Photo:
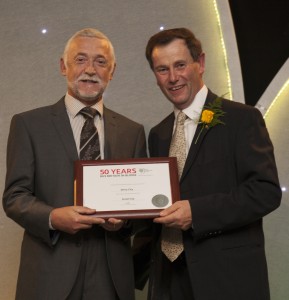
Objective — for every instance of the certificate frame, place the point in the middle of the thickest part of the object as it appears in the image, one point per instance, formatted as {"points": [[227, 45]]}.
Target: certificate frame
{"points": [[80, 185]]}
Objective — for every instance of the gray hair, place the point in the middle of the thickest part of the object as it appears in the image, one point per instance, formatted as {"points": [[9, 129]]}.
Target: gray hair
{"points": [[88, 32]]}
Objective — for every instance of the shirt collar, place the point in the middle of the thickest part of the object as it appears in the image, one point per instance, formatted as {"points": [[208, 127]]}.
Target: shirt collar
{"points": [[73, 105], [194, 110]]}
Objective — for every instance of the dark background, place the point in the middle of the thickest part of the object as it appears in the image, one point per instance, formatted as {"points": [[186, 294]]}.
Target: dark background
{"points": [[262, 32]]}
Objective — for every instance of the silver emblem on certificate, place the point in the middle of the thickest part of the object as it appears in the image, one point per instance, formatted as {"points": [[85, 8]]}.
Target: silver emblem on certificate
{"points": [[160, 200]]}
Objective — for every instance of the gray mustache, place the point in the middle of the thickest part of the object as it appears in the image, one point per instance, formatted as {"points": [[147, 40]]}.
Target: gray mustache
{"points": [[90, 78]]}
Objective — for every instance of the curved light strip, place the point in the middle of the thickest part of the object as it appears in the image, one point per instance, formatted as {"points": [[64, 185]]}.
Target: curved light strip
{"points": [[224, 50], [275, 89], [277, 97]]}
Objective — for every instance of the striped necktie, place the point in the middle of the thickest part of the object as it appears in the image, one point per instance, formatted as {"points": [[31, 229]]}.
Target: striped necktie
{"points": [[89, 139]]}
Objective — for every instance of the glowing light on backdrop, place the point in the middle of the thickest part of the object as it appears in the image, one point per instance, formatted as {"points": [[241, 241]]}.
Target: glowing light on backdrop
{"points": [[277, 97], [224, 51]]}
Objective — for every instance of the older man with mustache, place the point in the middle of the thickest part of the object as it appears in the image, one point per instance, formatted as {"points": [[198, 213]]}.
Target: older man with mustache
{"points": [[67, 253]]}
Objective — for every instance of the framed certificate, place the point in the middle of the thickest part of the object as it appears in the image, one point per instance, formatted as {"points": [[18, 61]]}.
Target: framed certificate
{"points": [[127, 189]]}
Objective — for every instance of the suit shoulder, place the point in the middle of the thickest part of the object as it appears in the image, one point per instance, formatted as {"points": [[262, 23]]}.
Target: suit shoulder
{"points": [[164, 123], [34, 112], [108, 113], [239, 115], [41, 111], [238, 106], [231, 105], [40, 115], [239, 110]]}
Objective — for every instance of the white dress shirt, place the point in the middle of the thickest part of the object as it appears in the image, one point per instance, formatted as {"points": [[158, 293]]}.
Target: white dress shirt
{"points": [[73, 107], [193, 113]]}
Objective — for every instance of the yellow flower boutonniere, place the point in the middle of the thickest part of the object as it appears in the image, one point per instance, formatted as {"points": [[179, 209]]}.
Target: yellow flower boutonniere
{"points": [[211, 115]]}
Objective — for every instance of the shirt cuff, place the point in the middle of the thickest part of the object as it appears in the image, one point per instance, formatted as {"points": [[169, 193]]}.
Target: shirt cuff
{"points": [[49, 223]]}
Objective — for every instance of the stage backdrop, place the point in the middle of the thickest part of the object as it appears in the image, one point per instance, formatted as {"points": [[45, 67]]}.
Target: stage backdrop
{"points": [[33, 34]]}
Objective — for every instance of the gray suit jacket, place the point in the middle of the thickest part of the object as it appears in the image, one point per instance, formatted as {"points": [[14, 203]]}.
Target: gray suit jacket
{"points": [[40, 160]]}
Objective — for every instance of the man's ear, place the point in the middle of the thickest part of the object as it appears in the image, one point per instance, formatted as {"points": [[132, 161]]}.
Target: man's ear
{"points": [[202, 62], [62, 67], [112, 72]]}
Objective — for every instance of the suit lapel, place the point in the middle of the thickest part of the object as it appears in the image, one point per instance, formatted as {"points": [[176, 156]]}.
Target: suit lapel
{"points": [[197, 140], [194, 149], [110, 129], [62, 125], [166, 136]]}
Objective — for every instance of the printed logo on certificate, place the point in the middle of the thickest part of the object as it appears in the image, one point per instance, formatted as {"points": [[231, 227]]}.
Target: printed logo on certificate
{"points": [[134, 188]]}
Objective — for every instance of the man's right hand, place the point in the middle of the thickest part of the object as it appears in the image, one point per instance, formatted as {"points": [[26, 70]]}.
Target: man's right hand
{"points": [[71, 219]]}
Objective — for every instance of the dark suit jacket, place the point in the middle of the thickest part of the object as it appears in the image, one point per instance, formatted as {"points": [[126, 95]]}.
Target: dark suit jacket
{"points": [[40, 159], [231, 182]]}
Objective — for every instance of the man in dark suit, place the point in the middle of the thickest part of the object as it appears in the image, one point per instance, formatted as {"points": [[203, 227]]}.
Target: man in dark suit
{"points": [[228, 184], [66, 252]]}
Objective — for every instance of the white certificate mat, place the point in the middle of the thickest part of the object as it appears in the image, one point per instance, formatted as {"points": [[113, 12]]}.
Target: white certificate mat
{"points": [[134, 188]]}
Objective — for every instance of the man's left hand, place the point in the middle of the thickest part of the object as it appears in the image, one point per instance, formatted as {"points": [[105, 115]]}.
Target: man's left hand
{"points": [[177, 215]]}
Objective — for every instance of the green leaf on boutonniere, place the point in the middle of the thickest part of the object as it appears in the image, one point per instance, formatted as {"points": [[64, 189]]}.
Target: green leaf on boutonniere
{"points": [[211, 115]]}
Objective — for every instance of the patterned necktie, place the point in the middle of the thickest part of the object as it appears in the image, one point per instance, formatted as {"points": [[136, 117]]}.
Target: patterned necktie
{"points": [[172, 242], [89, 140]]}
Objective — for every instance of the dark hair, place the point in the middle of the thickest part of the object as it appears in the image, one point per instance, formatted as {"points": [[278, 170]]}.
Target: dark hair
{"points": [[165, 37]]}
